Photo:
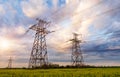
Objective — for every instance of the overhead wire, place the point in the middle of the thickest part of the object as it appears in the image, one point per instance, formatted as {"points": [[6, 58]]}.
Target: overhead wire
{"points": [[83, 11]]}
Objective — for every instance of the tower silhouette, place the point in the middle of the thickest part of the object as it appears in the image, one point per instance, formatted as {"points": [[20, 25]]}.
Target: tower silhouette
{"points": [[39, 55], [76, 56], [10, 63]]}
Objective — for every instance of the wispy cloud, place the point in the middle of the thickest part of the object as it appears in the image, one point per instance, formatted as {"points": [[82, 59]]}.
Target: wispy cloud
{"points": [[100, 29]]}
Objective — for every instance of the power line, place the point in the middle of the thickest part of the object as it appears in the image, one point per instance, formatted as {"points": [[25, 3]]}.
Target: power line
{"points": [[100, 2], [103, 13], [57, 11], [93, 6]]}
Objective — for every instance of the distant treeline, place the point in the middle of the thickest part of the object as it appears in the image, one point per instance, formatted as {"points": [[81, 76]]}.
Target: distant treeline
{"points": [[53, 66], [50, 66]]}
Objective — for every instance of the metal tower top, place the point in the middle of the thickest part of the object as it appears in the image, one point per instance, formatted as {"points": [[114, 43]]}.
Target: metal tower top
{"points": [[76, 56], [39, 57]]}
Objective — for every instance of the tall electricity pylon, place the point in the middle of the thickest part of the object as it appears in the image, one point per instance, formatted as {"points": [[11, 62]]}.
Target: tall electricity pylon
{"points": [[10, 63], [76, 56], [39, 55]]}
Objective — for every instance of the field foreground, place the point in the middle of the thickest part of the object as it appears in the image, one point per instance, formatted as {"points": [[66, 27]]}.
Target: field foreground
{"points": [[81, 72]]}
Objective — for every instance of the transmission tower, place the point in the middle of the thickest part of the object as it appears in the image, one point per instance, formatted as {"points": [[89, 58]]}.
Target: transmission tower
{"points": [[76, 57], [39, 55], [10, 63]]}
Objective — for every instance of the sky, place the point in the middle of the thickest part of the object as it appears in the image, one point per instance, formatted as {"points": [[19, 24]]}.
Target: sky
{"points": [[97, 20]]}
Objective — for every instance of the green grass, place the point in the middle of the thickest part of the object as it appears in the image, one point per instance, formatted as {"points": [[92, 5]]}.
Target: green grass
{"points": [[81, 72]]}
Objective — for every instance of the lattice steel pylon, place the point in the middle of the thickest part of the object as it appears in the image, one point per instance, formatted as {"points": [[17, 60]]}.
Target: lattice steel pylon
{"points": [[76, 56], [39, 55], [10, 63]]}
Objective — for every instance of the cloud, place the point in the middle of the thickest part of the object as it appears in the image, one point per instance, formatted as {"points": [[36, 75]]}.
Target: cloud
{"points": [[14, 36], [12, 14], [55, 4], [101, 32], [34, 8], [2, 11], [65, 12]]}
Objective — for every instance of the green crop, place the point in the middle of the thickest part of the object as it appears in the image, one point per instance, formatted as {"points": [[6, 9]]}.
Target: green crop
{"points": [[81, 72]]}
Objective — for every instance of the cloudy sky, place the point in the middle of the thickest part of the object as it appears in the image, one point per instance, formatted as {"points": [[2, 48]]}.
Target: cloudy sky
{"points": [[97, 20]]}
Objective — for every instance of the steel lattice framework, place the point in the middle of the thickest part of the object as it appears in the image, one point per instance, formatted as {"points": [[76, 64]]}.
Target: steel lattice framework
{"points": [[39, 55], [10, 63], [76, 57]]}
